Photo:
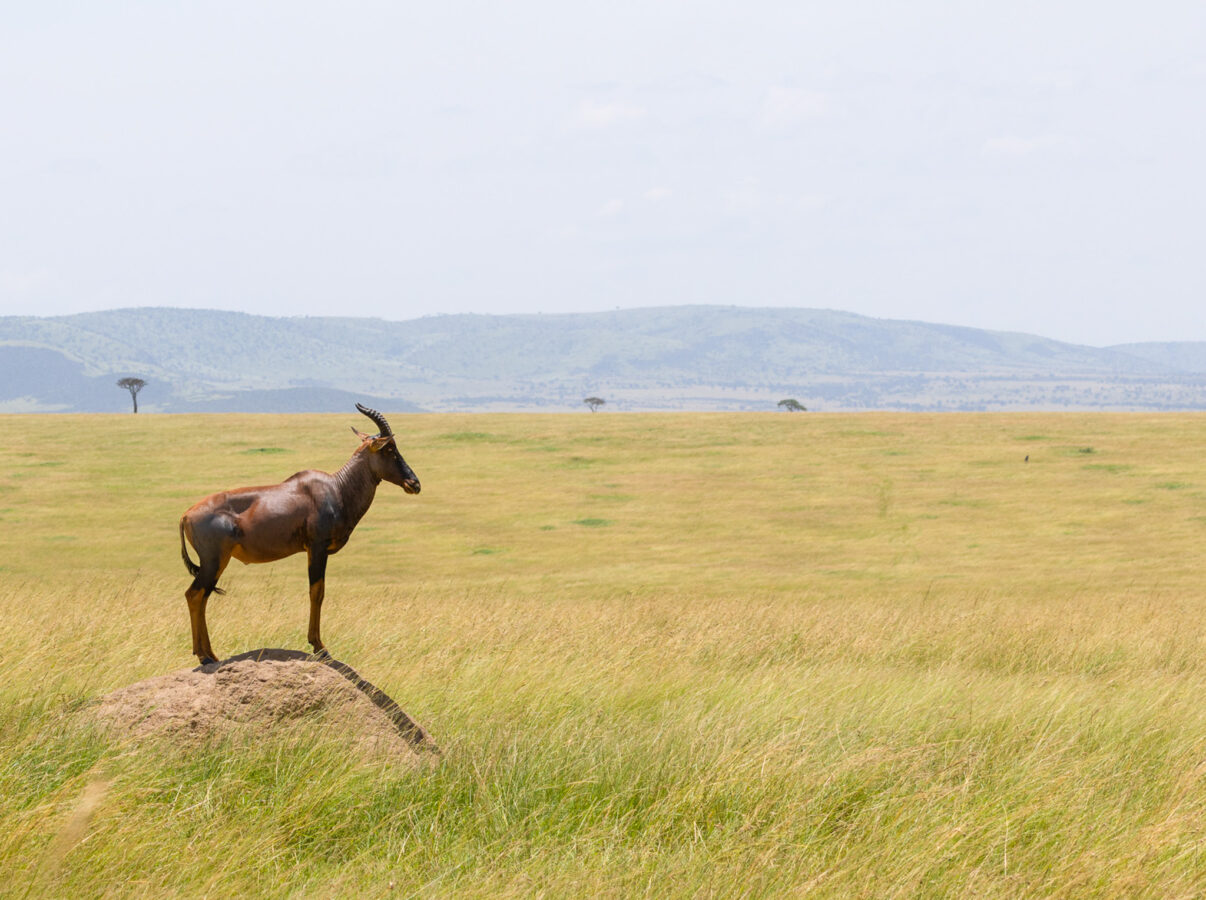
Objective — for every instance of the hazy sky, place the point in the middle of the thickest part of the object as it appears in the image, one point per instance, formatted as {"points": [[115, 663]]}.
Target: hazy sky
{"points": [[1032, 166]]}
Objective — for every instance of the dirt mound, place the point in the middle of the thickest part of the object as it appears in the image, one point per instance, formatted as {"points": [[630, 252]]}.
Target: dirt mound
{"points": [[263, 689]]}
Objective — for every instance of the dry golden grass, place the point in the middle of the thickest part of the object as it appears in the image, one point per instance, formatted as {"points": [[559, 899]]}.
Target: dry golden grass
{"points": [[855, 655]]}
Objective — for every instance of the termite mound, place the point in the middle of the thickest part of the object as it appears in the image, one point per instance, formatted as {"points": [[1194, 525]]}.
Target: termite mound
{"points": [[260, 691]]}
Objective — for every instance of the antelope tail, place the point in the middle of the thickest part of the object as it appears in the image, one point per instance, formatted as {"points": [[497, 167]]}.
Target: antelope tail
{"points": [[193, 568]]}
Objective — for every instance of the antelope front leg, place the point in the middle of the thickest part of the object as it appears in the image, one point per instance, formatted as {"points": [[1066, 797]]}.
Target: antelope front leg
{"points": [[318, 577]]}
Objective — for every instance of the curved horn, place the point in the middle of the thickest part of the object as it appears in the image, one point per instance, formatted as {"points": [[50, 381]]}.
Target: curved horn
{"points": [[378, 420]]}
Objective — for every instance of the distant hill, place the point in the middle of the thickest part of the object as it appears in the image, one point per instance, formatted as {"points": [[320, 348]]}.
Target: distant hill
{"points": [[1179, 356], [661, 358]]}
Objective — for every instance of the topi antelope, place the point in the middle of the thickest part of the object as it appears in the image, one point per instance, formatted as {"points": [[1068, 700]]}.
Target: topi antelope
{"points": [[311, 511]]}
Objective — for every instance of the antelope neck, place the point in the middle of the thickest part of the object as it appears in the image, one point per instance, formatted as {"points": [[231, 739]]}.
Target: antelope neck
{"points": [[356, 484]]}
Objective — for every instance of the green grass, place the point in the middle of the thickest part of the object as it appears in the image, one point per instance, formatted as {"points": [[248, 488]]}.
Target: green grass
{"points": [[795, 664]]}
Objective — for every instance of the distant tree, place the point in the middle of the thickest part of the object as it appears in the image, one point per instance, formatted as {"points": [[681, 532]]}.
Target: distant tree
{"points": [[793, 405], [133, 385], [594, 402]]}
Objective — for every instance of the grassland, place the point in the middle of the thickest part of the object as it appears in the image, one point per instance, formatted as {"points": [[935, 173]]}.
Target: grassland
{"points": [[671, 655]]}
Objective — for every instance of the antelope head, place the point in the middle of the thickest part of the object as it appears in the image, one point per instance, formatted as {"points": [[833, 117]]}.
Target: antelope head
{"points": [[383, 456]]}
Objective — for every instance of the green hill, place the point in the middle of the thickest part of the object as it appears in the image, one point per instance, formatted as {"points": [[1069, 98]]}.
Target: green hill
{"points": [[659, 358]]}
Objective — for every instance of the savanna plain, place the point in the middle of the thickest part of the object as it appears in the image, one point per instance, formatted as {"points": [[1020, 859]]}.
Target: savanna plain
{"points": [[867, 655]]}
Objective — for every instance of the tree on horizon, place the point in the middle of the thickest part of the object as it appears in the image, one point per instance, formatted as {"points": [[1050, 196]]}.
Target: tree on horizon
{"points": [[792, 405], [594, 402], [133, 385]]}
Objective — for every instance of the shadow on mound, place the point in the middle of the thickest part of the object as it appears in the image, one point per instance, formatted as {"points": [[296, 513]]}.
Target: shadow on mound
{"points": [[407, 727]]}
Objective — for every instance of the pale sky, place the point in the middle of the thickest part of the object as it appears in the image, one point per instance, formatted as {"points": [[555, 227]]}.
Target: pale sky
{"points": [[1028, 166]]}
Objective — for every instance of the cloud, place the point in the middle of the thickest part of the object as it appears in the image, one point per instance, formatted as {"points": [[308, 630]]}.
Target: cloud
{"points": [[612, 207], [783, 108], [1014, 146], [657, 194], [606, 115]]}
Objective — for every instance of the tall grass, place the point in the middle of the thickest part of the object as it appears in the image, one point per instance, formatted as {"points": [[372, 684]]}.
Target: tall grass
{"points": [[851, 655]]}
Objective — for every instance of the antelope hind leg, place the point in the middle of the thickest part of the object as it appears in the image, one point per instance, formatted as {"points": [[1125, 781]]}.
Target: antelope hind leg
{"points": [[196, 596]]}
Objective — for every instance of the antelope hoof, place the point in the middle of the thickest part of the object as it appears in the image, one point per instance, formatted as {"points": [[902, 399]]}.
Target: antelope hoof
{"points": [[322, 653], [206, 660]]}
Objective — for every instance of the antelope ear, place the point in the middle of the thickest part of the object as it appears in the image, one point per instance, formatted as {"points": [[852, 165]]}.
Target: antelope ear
{"points": [[360, 434], [380, 443]]}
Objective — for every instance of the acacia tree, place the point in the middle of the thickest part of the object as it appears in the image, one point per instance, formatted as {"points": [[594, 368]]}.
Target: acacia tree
{"points": [[594, 402], [133, 385], [793, 405]]}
